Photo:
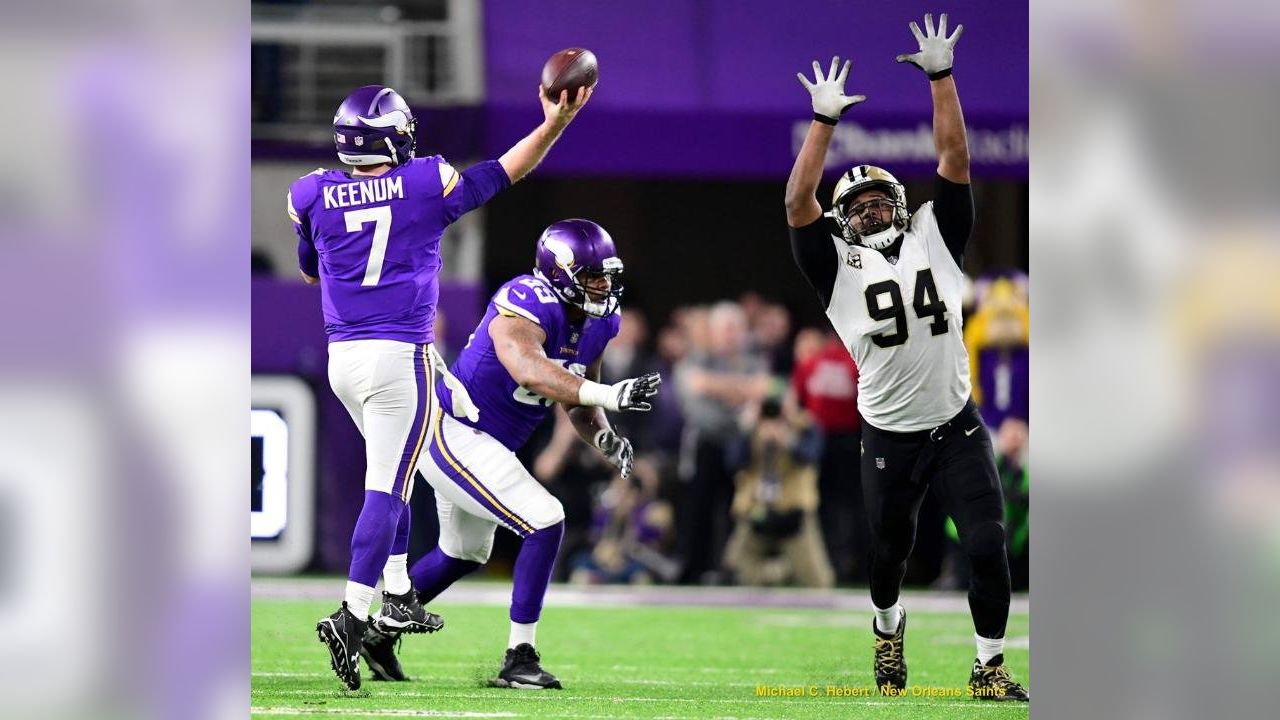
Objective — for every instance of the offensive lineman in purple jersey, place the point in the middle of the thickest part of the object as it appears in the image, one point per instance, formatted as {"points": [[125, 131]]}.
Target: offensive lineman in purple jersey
{"points": [[371, 238], [540, 336]]}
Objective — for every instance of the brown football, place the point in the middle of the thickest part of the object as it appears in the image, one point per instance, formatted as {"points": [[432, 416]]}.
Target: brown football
{"points": [[569, 70]]}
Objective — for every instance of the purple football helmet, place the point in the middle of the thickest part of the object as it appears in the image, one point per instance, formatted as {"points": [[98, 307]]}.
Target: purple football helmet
{"points": [[571, 252], [374, 125]]}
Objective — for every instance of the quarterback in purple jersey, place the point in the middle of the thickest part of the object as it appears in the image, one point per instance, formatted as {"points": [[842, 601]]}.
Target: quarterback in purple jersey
{"points": [[539, 343], [370, 236]]}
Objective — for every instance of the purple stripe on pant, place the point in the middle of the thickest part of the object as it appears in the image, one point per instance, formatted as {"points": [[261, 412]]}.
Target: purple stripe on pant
{"points": [[467, 480], [417, 430]]}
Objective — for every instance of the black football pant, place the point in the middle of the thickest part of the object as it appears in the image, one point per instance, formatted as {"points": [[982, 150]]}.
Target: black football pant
{"points": [[897, 469]]}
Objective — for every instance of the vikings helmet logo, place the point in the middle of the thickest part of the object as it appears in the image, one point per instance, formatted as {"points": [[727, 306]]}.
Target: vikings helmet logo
{"points": [[563, 253]]}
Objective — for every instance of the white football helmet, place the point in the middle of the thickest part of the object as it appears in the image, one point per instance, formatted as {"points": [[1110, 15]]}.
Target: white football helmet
{"points": [[859, 179]]}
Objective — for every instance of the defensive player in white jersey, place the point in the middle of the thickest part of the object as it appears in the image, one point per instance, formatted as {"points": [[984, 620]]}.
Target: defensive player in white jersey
{"points": [[891, 284]]}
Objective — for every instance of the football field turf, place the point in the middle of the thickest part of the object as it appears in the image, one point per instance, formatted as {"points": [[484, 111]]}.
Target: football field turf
{"points": [[626, 660]]}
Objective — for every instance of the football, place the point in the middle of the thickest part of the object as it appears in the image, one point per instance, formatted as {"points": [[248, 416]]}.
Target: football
{"points": [[569, 70]]}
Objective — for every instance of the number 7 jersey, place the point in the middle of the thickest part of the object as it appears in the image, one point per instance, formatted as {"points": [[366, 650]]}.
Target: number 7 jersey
{"points": [[902, 323], [378, 245]]}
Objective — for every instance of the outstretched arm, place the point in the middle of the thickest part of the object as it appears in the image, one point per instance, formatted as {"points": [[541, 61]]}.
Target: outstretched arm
{"points": [[948, 131], [525, 155], [518, 343], [802, 187], [829, 103], [953, 198], [810, 242], [935, 58]]}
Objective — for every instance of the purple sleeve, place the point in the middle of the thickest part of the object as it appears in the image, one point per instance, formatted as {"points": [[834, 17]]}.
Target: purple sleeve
{"points": [[308, 259], [478, 184], [530, 299]]}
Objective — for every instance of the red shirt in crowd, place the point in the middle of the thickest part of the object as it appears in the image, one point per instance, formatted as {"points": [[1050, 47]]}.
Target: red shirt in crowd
{"points": [[826, 384]]}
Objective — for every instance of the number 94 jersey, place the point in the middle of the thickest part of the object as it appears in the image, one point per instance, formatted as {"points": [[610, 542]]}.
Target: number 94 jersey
{"points": [[902, 323], [508, 412]]}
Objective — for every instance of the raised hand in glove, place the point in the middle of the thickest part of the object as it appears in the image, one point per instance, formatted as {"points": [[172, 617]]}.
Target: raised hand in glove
{"points": [[617, 450], [827, 93], [935, 55]]}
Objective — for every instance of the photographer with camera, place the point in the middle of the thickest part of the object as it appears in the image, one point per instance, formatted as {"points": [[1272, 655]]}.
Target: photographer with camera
{"points": [[777, 537]]}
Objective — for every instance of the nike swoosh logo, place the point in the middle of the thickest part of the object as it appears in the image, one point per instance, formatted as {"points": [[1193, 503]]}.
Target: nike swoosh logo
{"points": [[970, 432], [519, 294]]}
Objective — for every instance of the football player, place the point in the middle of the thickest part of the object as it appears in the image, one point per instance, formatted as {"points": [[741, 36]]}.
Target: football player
{"points": [[891, 281], [370, 236], [539, 343]]}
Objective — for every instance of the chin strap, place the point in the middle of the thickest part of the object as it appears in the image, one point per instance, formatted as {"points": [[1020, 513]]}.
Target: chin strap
{"points": [[882, 239]]}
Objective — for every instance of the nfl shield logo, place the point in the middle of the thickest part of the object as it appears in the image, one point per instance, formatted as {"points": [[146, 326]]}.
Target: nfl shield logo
{"points": [[879, 463]]}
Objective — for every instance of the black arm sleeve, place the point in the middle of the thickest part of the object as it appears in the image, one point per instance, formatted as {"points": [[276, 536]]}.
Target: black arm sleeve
{"points": [[953, 208], [816, 255]]}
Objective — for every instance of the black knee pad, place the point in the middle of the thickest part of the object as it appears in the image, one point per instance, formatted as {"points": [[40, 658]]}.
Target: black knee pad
{"points": [[986, 538]]}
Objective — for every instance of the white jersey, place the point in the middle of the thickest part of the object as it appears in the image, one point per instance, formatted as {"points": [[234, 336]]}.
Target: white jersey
{"points": [[902, 323]]}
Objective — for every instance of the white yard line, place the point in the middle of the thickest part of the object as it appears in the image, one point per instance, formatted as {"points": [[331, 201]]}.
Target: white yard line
{"points": [[379, 713], [499, 594], [287, 711], [560, 697]]}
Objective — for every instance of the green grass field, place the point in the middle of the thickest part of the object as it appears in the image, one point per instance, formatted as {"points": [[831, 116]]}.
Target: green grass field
{"points": [[630, 662]]}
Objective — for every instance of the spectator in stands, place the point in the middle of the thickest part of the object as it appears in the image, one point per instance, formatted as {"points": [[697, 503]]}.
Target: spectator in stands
{"points": [[631, 530], [777, 539], [771, 333], [716, 382], [825, 385], [996, 338]]}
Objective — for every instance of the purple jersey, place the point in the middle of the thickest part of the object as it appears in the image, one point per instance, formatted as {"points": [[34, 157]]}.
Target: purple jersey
{"points": [[375, 242], [509, 412]]}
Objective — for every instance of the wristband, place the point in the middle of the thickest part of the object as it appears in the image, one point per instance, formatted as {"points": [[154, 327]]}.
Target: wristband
{"points": [[596, 394], [940, 74], [819, 117]]}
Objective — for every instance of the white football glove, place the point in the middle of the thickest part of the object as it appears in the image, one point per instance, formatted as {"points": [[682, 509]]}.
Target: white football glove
{"points": [[617, 450], [827, 93], [936, 48]]}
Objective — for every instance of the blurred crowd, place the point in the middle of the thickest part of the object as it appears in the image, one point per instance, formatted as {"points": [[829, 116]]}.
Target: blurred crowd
{"points": [[747, 468]]}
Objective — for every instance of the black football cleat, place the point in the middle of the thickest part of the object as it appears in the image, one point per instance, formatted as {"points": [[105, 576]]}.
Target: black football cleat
{"points": [[343, 632], [520, 669], [993, 682], [379, 653], [404, 614], [891, 664]]}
